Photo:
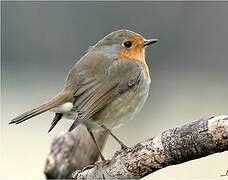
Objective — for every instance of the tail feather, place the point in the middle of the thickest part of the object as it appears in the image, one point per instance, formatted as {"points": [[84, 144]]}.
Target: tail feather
{"points": [[57, 100], [56, 119]]}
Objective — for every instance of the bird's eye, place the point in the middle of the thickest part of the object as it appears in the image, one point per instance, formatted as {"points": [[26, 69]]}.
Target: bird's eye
{"points": [[127, 44]]}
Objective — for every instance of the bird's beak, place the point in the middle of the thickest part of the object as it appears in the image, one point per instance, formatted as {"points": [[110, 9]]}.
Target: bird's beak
{"points": [[149, 41]]}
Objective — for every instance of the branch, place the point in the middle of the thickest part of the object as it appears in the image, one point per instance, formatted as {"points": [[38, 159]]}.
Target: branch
{"points": [[71, 151], [174, 146]]}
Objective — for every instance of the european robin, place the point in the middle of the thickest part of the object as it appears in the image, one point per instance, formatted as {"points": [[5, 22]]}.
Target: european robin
{"points": [[107, 86]]}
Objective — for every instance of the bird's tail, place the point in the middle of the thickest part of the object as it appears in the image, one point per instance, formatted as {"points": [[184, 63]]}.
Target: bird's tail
{"points": [[59, 99]]}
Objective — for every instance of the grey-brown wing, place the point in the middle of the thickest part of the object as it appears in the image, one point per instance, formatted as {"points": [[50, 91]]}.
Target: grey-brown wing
{"points": [[95, 95]]}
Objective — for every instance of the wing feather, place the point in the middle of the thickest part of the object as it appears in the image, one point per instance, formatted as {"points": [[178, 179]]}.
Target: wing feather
{"points": [[119, 77]]}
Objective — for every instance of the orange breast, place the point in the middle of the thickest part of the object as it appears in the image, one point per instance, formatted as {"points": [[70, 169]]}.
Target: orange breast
{"points": [[135, 54]]}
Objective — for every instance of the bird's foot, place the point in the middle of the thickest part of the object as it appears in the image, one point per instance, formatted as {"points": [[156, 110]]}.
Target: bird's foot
{"points": [[88, 167], [105, 162], [101, 156], [123, 147]]}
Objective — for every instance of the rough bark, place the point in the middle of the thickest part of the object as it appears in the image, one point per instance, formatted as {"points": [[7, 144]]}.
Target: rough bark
{"points": [[174, 146], [71, 151]]}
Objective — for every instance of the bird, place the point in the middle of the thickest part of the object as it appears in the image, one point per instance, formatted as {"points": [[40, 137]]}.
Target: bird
{"points": [[106, 87]]}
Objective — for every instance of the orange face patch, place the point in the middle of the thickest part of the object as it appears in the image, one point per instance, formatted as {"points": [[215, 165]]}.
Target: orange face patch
{"points": [[136, 52]]}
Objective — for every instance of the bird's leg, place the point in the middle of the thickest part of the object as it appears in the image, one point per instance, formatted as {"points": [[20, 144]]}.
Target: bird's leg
{"points": [[98, 148], [123, 146]]}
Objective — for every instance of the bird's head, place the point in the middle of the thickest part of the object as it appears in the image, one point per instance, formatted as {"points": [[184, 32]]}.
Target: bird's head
{"points": [[125, 44]]}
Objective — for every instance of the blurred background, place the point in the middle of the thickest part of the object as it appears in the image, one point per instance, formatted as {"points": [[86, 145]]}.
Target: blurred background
{"points": [[42, 40]]}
